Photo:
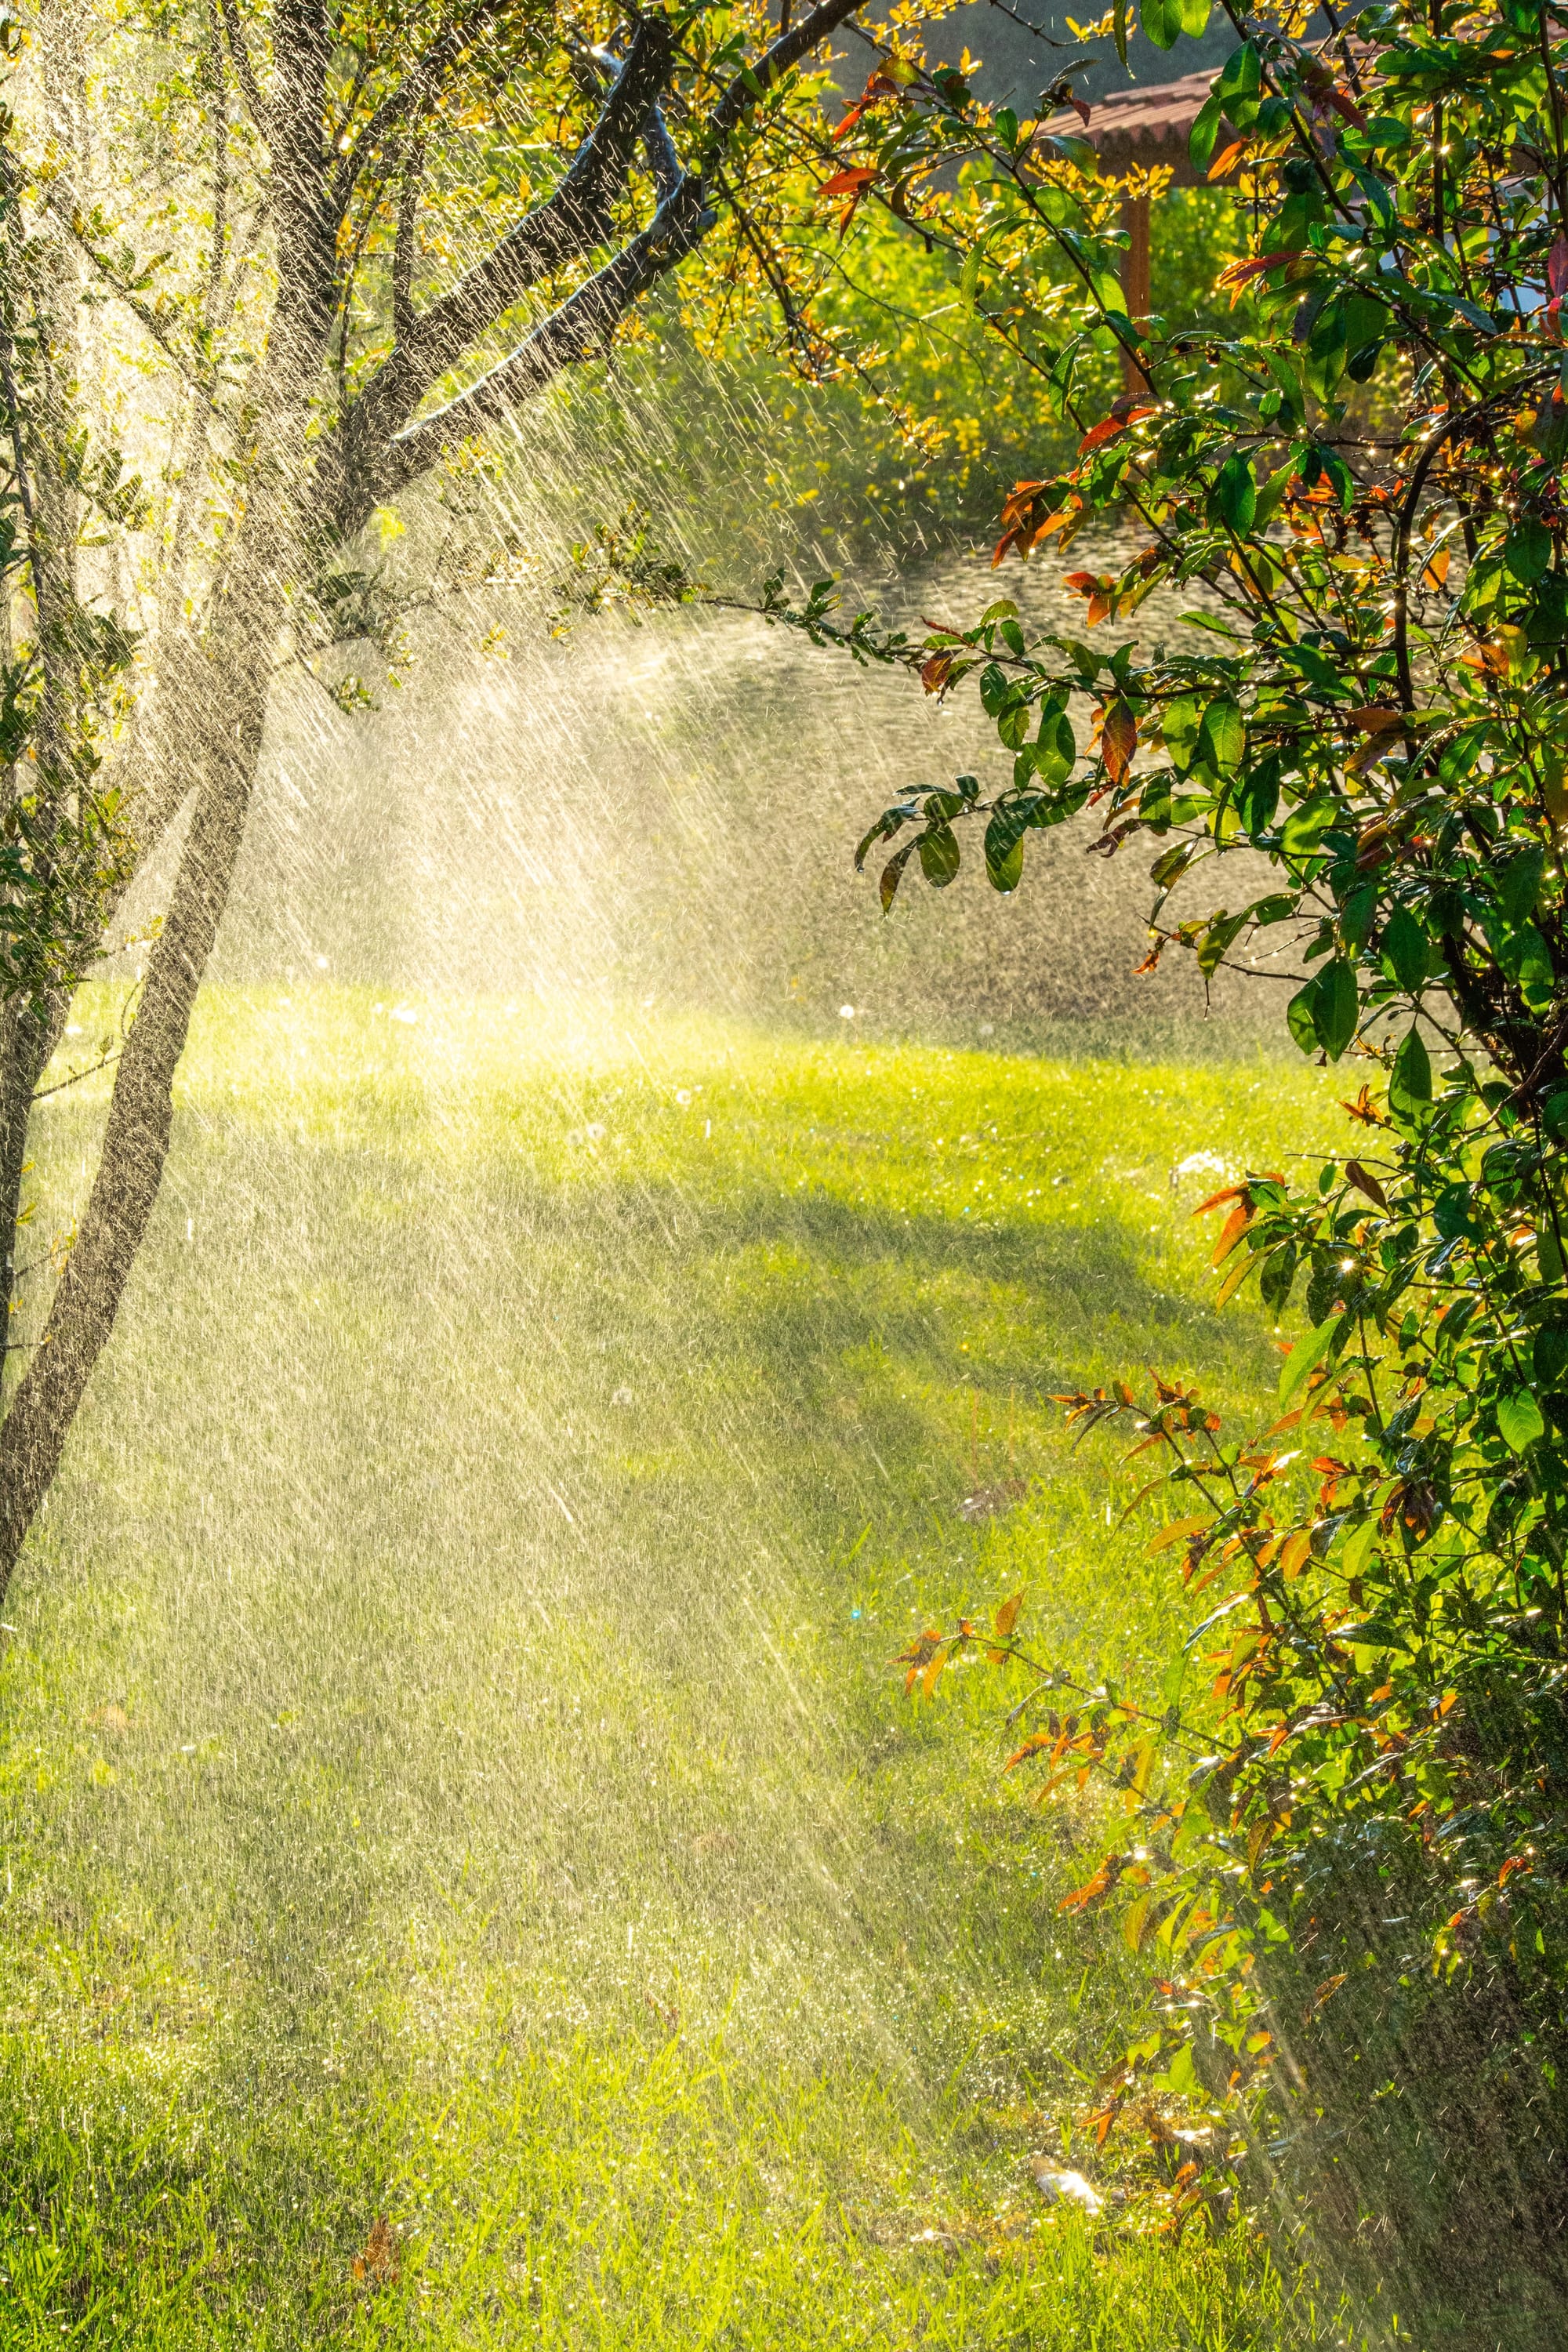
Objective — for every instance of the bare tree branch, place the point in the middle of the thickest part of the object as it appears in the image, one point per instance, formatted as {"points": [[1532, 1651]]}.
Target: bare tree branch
{"points": [[244, 71], [380, 451], [406, 103]]}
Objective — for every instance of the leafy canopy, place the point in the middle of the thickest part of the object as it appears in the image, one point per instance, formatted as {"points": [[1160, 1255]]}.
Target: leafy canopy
{"points": [[1361, 487]]}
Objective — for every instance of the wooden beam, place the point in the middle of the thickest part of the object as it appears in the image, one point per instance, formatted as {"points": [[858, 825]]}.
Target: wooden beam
{"points": [[1135, 280]]}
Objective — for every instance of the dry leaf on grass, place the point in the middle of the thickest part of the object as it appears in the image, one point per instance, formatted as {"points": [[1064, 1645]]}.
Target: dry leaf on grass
{"points": [[375, 2264]]}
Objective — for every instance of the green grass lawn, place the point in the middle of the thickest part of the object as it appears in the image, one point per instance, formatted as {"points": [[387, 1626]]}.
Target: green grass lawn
{"points": [[452, 1767]]}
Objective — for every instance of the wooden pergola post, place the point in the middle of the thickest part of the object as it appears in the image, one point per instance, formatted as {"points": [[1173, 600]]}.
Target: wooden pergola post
{"points": [[1143, 128], [1135, 281]]}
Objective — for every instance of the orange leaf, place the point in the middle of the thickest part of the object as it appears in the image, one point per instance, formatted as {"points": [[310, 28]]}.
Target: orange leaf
{"points": [[1217, 1200], [1082, 1896], [1231, 1231], [375, 2264], [1436, 571], [935, 673], [1175, 1532], [1293, 1554], [1007, 1617], [852, 182], [1119, 740], [1107, 431], [1365, 1109], [1237, 273], [1227, 157], [1365, 1182]]}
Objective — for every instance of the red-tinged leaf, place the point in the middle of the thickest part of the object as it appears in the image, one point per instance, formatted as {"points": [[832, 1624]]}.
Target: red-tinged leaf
{"points": [[1100, 606], [1020, 499], [1239, 274], [375, 2264], [851, 182], [1151, 961], [893, 873], [1557, 267], [1098, 435], [1090, 1892], [1217, 1200], [1364, 1181], [1031, 1747], [1515, 1862], [1080, 106], [1345, 104], [1231, 1231], [1235, 1278], [1082, 584], [1293, 1554], [1118, 742], [935, 673]]}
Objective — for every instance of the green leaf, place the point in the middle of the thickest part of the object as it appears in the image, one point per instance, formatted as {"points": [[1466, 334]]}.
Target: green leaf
{"points": [[1527, 551], [1181, 2075], [894, 874], [1217, 940], [1356, 915], [1233, 499], [1161, 20], [1195, 14], [1403, 952], [1336, 1006], [1004, 852], [1302, 1018], [1410, 1085], [1238, 83], [939, 856], [1358, 1547], [1204, 132], [1550, 1355], [1119, 29], [1307, 824], [1056, 748], [1519, 1418], [1222, 738], [1306, 1356], [1519, 882]]}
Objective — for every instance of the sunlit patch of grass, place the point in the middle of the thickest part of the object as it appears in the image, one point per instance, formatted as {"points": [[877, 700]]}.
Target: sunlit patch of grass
{"points": [[452, 1765]]}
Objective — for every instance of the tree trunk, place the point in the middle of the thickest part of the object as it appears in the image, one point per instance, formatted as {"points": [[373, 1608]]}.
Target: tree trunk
{"points": [[28, 1035], [136, 1139]]}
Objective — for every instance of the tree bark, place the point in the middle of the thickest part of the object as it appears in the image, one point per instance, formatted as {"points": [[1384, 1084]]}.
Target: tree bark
{"points": [[136, 1139], [29, 1032]]}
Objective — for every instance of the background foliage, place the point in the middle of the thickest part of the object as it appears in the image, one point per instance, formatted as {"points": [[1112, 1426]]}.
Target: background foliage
{"points": [[1340, 1830]]}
